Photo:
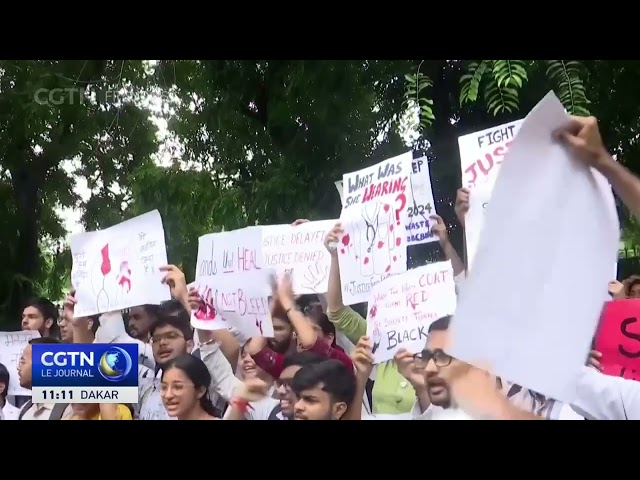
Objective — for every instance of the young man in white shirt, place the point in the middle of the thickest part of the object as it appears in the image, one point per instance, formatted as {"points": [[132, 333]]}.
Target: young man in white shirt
{"points": [[38, 411], [8, 411], [172, 336]]}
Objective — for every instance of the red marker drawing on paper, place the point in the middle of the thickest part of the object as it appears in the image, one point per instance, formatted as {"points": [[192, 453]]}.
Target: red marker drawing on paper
{"points": [[125, 277], [105, 267]]}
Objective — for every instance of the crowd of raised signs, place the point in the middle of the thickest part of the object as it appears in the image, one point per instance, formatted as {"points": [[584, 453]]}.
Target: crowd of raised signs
{"points": [[324, 320]]}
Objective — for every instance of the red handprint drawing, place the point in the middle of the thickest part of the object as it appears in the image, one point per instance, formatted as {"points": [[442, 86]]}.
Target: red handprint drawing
{"points": [[207, 310], [125, 276]]}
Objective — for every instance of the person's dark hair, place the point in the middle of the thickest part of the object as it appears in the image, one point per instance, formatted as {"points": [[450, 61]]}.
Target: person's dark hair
{"points": [[4, 378], [333, 377], [181, 322], [630, 285], [301, 359], [95, 323], [198, 373], [303, 301], [171, 307], [44, 340], [440, 325], [45, 307], [314, 312]]}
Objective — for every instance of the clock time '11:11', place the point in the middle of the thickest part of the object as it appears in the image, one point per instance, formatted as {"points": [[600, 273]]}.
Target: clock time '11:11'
{"points": [[61, 395]]}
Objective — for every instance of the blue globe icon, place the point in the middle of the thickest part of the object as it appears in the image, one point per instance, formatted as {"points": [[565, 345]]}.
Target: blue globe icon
{"points": [[115, 364]]}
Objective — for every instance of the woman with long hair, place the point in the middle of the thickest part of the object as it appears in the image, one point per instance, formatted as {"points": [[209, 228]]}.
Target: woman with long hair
{"points": [[185, 389]]}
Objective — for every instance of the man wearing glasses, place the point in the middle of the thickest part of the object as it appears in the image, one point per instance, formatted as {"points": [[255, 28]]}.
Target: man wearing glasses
{"points": [[431, 371]]}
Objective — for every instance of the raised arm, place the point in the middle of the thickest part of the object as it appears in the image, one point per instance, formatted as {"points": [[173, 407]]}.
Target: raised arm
{"points": [[582, 138], [349, 322], [440, 230]]}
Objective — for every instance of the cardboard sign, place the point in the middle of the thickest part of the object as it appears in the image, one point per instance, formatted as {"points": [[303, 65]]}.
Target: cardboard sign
{"points": [[619, 339]]}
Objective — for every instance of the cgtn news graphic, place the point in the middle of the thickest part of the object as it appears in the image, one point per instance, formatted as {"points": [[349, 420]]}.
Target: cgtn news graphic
{"points": [[85, 373]]}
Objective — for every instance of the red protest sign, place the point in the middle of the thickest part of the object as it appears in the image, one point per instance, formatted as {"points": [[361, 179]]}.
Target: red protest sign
{"points": [[619, 339]]}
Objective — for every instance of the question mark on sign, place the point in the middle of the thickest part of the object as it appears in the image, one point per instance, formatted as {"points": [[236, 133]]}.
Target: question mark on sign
{"points": [[403, 203]]}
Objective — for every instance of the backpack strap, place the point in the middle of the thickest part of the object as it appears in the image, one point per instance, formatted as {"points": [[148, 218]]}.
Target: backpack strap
{"points": [[24, 409], [58, 411]]}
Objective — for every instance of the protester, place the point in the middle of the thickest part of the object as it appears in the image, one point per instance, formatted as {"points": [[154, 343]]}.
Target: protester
{"points": [[254, 401], [41, 315], [300, 373], [185, 389], [9, 412], [324, 390], [38, 411]]}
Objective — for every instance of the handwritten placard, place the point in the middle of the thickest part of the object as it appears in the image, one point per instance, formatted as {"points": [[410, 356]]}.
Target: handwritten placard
{"points": [[481, 153], [374, 244], [619, 338], [402, 308], [300, 251], [11, 346], [118, 267], [421, 205], [233, 283]]}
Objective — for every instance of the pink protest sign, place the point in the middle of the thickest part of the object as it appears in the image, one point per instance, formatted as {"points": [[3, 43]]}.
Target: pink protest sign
{"points": [[619, 339]]}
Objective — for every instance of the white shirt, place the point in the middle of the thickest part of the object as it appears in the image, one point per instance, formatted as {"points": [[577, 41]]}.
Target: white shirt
{"points": [[438, 413], [604, 397], [42, 411], [223, 384], [9, 412]]}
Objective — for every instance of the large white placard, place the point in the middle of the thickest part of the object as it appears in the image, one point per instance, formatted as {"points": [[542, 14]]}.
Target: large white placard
{"points": [[299, 251], [514, 312], [233, 283], [118, 267]]}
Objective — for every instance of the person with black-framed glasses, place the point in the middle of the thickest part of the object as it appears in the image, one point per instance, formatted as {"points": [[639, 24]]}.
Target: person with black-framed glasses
{"points": [[449, 389]]}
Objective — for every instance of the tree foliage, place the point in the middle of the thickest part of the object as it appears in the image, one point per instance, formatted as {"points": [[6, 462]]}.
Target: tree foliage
{"points": [[250, 141]]}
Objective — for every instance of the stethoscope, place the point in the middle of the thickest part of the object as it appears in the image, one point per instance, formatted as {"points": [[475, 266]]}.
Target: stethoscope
{"points": [[371, 229]]}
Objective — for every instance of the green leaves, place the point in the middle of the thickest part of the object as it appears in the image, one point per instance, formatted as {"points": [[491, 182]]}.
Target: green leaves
{"points": [[502, 80], [416, 84], [566, 76]]}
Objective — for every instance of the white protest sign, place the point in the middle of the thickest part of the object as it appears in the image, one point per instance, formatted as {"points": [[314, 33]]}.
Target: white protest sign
{"points": [[231, 281], [481, 153], [374, 244], [11, 346], [402, 307], [513, 311], [421, 206], [299, 251], [118, 267]]}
